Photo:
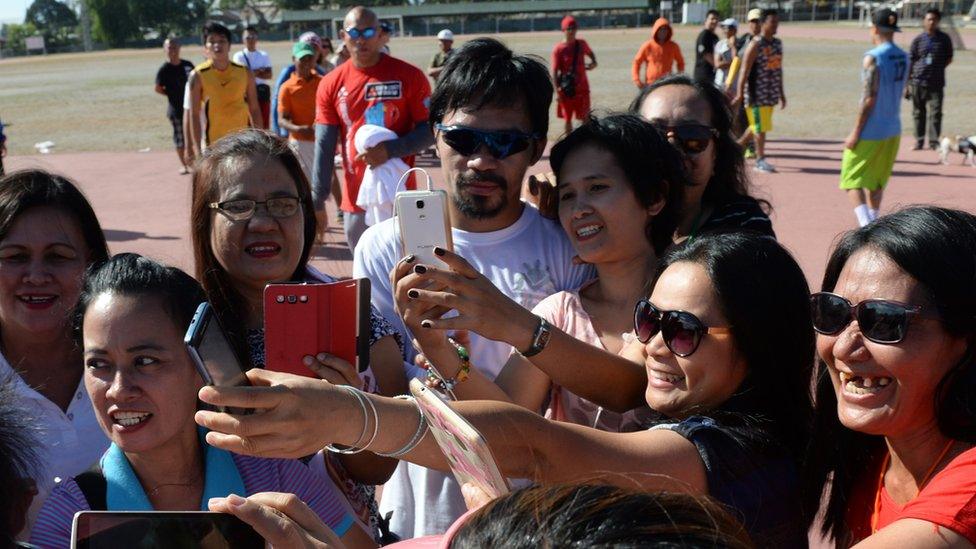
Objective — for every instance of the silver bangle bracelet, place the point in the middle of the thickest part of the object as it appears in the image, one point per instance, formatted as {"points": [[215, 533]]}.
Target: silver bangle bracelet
{"points": [[355, 449], [422, 429]]}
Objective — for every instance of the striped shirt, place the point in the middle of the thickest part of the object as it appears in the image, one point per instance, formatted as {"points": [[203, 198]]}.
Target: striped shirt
{"points": [[740, 214], [929, 56], [53, 527]]}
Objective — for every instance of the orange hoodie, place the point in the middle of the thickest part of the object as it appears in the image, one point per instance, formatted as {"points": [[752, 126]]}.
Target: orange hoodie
{"points": [[658, 56]]}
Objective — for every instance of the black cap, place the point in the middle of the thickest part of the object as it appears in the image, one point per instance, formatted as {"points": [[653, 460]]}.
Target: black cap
{"points": [[886, 19]]}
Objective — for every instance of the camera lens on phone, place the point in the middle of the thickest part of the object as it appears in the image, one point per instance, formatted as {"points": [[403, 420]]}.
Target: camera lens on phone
{"points": [[420, 204]]}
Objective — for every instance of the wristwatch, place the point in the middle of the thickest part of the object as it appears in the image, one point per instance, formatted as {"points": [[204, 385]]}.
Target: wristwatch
{"points": [[539, 339]]}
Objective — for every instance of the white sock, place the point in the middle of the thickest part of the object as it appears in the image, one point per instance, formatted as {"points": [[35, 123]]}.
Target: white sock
{"points": [[872, 213], [863, 215]]}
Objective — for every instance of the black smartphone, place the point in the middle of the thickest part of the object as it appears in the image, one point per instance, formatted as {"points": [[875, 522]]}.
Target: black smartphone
{"points": [[162, 529], [212, 353]]}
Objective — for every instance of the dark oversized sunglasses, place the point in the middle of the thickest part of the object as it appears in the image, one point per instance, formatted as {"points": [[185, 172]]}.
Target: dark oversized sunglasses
{"points": [[681, 330], [501, 144], [880, 320], [692, 139], [366, 33]]}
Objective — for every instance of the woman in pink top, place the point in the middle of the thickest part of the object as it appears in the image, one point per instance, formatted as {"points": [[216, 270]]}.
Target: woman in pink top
{"points": [[617, 177]]}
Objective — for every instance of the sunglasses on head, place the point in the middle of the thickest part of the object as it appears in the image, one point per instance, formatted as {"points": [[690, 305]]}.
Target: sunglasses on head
{"points": [[500, 143], [681, 330], [879, 320], [692, 139], [366, 33]]}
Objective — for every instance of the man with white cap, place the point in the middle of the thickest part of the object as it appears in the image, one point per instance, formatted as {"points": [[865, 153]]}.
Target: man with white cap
{"points": [[446, 40], [725, 52]]}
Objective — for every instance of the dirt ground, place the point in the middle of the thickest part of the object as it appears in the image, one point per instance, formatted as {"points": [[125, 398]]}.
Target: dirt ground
{"points": [[100, 110]]}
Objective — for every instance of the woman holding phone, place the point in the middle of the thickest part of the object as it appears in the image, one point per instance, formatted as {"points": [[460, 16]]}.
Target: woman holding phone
{"points": [[896, 427], [131, 318], [49, 235], [728, 344], [618, 186], [696, 119], [253, 223]]}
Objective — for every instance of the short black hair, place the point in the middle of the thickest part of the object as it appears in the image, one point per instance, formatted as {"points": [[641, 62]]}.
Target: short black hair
{"points": [[130, 274], [213, 27], [712, 12], [26, 189], [654, 168], [935, 12], [766, 14], [485, 72], [20, 459], [250, 28]]}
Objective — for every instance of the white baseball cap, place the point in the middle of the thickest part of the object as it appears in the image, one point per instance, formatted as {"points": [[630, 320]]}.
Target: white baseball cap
{"points": [[730, 22], [446, 34]]}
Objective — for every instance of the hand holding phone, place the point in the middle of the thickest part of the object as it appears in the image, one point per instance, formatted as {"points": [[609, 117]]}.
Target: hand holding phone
{"points": [[424, 223]]}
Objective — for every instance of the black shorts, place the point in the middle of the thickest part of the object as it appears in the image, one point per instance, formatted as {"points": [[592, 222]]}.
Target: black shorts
{"points": [[177, 122]]}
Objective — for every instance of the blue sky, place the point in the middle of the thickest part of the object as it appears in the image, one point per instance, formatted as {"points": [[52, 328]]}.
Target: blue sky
{"points": [[12, 11]]}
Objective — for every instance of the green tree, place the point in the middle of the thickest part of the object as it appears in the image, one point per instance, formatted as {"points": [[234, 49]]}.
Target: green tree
{"points": [[55, 20]]}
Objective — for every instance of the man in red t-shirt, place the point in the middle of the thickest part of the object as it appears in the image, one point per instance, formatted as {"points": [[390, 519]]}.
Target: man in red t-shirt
{"points": [[572, 87], [372, 88]]}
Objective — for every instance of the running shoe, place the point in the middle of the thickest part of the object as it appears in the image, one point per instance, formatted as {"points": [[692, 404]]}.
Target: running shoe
{"points": [[764, 167]]}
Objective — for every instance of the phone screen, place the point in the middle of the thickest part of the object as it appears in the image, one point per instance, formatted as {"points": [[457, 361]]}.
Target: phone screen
{"points": [[189, 530], [218, 358]]}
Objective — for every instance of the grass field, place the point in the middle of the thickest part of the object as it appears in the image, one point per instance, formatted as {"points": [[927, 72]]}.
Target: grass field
{"points": [[105, 101]]}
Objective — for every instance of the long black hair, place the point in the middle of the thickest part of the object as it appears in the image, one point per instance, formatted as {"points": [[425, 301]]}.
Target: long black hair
{"points": [[729, 180], [937, 247], [764, 296], [653, 167]]}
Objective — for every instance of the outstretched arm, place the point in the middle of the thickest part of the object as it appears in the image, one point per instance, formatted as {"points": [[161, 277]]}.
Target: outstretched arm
{"points": [[291, 408]]}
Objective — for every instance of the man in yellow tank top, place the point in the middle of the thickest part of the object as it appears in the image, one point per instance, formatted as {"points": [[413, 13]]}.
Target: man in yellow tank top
{"points": [[224, 89]]}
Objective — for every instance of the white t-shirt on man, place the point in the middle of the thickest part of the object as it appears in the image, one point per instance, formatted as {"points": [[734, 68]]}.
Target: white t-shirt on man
{"points": [[254, 60], [528, 261]]}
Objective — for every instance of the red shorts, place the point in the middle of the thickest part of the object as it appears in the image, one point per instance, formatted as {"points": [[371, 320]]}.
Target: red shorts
{"points": [[577, 107]]}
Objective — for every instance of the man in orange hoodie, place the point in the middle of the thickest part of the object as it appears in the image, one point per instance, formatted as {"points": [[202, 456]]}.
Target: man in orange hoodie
{"points": [[660, 53]]}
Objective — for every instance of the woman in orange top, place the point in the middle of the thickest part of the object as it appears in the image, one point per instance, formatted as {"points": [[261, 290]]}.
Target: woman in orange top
{"points": [[660, 53]]}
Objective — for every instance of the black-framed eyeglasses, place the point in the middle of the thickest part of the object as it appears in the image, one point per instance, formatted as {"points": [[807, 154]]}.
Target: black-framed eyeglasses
{"points": [[880, 320], [692, 139], [682, 331], [243, 209], [366, 33], [500, 143]]}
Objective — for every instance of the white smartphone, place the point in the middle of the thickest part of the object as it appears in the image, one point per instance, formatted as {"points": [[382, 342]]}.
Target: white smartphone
{"points": [[465, 448], [424, 224]]}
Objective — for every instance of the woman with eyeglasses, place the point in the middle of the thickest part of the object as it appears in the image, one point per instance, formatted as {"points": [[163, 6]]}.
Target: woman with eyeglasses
{"points": [[253, 223], [896, 384], [696, 119], [728, 347], [619, 182]]}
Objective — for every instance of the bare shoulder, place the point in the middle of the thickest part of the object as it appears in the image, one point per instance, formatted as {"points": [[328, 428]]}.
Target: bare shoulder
{"points": [[915, 533], [869, 61]]}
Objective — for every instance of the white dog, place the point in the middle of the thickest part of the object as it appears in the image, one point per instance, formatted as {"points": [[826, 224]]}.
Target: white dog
{"points": [[959, 144]]}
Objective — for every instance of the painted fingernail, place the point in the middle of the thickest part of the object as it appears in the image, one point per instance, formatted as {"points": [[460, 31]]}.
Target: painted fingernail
{"points": [[420, 269], [322, 356], [439, 251], [410, 258], [425, 323], [308, 361], [413, 294]]}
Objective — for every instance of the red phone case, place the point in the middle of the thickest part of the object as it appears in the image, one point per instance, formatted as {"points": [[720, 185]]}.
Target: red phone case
{"points": [[307, 319]]}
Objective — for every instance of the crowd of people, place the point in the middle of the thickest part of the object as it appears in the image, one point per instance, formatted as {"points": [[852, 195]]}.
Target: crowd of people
{"points": [[639, 352]]}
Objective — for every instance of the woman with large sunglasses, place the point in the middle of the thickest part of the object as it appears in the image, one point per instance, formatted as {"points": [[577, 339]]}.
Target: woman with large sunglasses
{"points": [[696, 119], [728, 347], [896, 391], [253, 223]]}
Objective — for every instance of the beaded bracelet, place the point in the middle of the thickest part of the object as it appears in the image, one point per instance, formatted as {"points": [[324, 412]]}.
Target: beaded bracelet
{"points": [[464, 372], [355, 448], [422, 429]]}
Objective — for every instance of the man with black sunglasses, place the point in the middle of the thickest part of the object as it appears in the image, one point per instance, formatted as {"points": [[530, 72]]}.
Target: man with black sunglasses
{"points": [[490, 114], [372, 88]]}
